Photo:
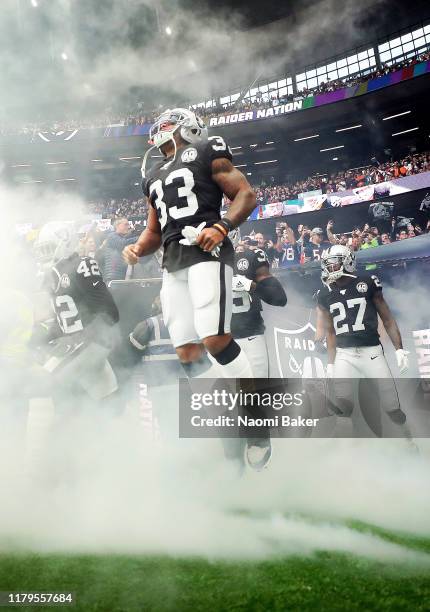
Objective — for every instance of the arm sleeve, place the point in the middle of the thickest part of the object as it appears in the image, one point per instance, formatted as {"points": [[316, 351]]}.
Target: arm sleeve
{"points": [[270, 290]]}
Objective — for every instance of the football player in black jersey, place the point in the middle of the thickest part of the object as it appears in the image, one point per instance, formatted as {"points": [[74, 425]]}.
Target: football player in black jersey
{"points": [[252, 284], [84, 311], [350, 305], [184, 192]]}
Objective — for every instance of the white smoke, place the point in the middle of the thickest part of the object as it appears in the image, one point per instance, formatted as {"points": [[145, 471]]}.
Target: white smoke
{"points": [[208, 51], [92, 484]]}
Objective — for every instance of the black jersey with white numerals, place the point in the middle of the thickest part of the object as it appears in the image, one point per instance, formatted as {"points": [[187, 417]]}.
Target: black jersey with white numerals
{"points": [[246, 319], [79, 294], [354, 314], [183, 192]]}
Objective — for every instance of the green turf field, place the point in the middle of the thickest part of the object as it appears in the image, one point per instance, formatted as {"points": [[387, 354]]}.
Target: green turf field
{"points": [[323, 582]]}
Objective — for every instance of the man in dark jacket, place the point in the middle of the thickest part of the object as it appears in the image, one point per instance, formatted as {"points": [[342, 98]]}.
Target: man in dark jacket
{"points": [[114, 267]]}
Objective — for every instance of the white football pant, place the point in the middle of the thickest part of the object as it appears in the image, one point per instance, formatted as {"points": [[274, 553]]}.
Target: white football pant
{"points": [[255, 348], [197, 302]]}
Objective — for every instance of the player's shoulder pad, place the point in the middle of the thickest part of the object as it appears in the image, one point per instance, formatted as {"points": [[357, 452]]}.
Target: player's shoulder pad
{"points": [[371, 280], [259, 257], [216, 147]]}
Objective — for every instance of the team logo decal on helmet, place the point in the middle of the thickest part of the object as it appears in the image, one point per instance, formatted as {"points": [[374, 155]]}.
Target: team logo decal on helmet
{"points": [[362, 287], [337, 261]]}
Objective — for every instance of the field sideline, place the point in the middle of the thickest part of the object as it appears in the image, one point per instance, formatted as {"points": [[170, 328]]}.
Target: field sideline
{"points": [[323, 582]]}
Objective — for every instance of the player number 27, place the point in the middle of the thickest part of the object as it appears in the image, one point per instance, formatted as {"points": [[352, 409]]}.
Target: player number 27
{"points": [[339, 307], [184, 191]]}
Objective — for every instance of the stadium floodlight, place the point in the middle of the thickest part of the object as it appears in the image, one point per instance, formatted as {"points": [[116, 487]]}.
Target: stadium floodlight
{"points": [[32, 181], [405, 131], [351, 127], [253, 145], [269, 161], [64, 56], [55, 163], [168, 30], [270, 142], [335, 158], [96, 160], [21, 166], [34, 3], [398, 115], [306, 137], [241, 166], [128, 158], [249, 173], [65, 179], [333, 148], [233, 148]]}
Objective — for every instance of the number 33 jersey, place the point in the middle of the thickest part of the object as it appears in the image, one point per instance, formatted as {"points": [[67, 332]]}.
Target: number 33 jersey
{"points": [[183, 192], [354, 314], [79, 294]]}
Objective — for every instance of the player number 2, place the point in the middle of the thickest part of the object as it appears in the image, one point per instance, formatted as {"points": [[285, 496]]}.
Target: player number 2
{"points": [[184, 191], [358, 325], [68, 312]]}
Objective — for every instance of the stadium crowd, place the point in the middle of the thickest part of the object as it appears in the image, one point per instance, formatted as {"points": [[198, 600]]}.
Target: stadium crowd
{"points": [[301, 244], [270, 193], [137, 115], [347, 179]]}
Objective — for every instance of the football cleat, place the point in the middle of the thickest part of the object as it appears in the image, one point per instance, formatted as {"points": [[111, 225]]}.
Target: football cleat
{"points": [[258, 453]]}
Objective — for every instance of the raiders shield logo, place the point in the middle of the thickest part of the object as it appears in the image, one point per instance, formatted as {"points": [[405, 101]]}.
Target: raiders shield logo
{"points": [[362, 287], [295, 353]]}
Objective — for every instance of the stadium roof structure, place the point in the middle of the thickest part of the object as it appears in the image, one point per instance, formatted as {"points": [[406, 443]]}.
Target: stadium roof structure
{"points": [[391, 121]]}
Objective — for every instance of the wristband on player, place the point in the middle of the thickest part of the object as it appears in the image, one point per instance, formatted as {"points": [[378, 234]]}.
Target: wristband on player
{"points": [[226, 224], [220, 228]]}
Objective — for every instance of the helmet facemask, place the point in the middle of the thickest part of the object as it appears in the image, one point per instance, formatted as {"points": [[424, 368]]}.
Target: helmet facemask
{"points": [[338, 261], [192, 129]]}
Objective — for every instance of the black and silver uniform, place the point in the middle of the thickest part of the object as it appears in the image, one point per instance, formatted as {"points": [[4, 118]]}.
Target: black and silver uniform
{"points": [[183, 193], [246, 319], [354, 314], [79, 294]]}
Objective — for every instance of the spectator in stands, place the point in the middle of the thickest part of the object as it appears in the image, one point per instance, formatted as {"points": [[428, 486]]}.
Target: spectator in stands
{"points": [[114, 267], [385, 238]]}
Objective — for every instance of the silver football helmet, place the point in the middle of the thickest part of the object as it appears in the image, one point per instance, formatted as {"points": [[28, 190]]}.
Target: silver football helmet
{"points": [[191, 128], [57, 240], [337, 261]]}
